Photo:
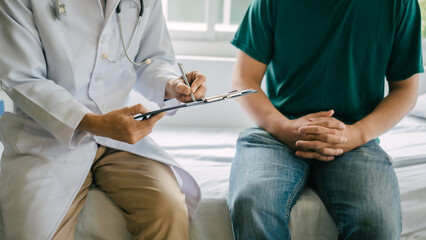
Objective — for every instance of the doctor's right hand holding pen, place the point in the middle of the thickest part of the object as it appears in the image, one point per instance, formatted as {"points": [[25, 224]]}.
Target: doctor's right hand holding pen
{"points": [[189, 87], [120, 124]]}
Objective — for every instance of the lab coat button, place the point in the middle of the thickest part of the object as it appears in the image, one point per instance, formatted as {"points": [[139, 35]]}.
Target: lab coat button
{"points": [[105, 108], [98, 78]]}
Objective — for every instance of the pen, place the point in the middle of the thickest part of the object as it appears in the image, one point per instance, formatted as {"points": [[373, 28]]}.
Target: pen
{"points": [[182, 70]]}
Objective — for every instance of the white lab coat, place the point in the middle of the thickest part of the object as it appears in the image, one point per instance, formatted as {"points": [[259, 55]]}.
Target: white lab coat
{"points": [[54, 72]]}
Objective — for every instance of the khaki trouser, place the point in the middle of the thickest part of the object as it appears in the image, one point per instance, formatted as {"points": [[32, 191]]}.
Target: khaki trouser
{"points": [[146, 191]]}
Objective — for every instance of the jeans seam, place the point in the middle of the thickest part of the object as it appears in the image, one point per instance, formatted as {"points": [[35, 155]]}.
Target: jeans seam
{"points": [[328, 205], [292, 196]]}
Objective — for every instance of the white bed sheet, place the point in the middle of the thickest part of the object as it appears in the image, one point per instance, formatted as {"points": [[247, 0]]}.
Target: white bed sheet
{"points": [[406, 142], [412, 184]]}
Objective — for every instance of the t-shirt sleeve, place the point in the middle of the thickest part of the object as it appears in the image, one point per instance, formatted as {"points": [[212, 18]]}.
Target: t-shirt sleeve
{"points": [[406, 57], [256, 33]]}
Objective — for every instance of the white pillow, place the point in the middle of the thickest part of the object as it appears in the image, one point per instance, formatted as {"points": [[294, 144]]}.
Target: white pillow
{"points": [[420, 108]]}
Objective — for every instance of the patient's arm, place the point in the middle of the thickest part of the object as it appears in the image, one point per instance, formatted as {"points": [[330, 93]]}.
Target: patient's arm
{"points": [[249, 74], [400, 100]]}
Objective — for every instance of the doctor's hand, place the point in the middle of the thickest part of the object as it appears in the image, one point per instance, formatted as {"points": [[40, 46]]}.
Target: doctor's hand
{"points": [[327, 136], [176, 88], [120, 125]]}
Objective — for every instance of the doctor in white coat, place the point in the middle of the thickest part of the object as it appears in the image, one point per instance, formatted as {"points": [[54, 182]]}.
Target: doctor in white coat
{"points": [[70, 80]]}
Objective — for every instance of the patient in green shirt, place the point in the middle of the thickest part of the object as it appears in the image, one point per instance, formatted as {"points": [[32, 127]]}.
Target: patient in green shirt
{"points": [[325, 64]]}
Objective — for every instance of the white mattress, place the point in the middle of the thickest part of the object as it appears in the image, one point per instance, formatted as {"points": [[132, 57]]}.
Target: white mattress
{"points": [[406, 142], [207, 154], [412, 184]]}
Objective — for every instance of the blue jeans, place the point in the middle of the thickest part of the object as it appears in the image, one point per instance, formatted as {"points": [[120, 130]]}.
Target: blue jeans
{"points": [[359, 189]]}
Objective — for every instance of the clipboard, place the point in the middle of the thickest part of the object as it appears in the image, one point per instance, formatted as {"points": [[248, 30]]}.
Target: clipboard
{"points": [[203, 101]]}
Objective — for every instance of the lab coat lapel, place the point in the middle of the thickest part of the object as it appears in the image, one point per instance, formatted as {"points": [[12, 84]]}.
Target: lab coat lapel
{"points": [[111, 5]]}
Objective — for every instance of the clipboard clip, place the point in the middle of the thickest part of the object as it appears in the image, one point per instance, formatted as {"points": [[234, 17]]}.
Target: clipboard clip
{"points": [[229, 95]]}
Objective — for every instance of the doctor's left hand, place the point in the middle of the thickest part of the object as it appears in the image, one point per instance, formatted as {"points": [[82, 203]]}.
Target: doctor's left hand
{"points": [[176, 88], [120, 124]]}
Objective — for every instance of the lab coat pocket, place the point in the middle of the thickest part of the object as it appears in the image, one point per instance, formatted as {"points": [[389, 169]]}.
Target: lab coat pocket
{"points": [[36, 141]]}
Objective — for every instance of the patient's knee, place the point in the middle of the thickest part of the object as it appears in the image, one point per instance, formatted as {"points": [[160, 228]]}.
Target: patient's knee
{"points": [[250, 198], [384, 223]]}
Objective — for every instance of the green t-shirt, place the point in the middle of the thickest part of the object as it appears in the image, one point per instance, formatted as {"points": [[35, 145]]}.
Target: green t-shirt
{"points": [[332, 54]]}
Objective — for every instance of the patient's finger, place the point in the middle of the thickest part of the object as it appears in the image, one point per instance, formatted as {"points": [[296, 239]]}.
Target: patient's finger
{"points": [[328, 138], [314, 155], [306, 129], [326, 122], [319, 147], [330, 151]]}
